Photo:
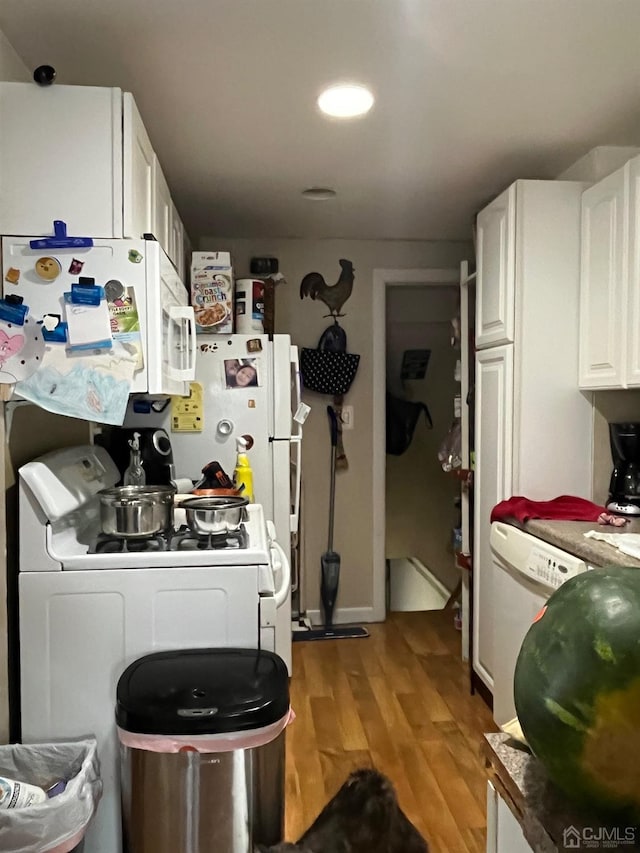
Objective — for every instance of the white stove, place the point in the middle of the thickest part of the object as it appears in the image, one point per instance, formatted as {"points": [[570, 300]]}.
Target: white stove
{"points": [[89, 606]]}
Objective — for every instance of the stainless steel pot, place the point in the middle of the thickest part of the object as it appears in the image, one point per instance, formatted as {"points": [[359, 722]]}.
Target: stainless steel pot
{"points": [[134, 512], [211, 516]]}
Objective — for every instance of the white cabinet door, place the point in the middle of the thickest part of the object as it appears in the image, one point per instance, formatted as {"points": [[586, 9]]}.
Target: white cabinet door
{"points": [[496, 235], [163, 205], [177, 242], [60, 158], [504, 833], [138, 173], [603, 292], [492, 483]]}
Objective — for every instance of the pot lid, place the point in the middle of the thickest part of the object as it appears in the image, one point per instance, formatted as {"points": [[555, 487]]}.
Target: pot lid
{"points": [[202, 691]]}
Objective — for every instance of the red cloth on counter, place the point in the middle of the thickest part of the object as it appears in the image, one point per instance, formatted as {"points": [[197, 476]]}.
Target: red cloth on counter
{"points": [[564, 508]]}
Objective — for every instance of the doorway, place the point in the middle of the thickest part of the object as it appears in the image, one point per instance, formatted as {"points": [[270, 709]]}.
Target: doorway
{"points": [[414, 510]]}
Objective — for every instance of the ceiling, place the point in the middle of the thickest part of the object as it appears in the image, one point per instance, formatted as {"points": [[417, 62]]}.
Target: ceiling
{"points": [[471, 94]]}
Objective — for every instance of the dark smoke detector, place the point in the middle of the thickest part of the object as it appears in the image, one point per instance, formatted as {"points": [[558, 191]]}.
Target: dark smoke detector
{"points": [[44, 75]]}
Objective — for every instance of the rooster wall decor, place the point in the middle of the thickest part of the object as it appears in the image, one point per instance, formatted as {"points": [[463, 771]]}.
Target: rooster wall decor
{"points": [[333, 295]]}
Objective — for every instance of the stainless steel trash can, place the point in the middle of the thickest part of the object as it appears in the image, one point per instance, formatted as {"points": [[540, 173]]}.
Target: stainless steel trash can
{"points": [[202, 750]]}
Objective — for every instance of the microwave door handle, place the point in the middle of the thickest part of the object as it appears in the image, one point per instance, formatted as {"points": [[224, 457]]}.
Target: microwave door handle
{"points": [[182, 312]]}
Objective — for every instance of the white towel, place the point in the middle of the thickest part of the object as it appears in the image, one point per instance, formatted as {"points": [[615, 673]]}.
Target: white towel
{"points": [[627, 543]]}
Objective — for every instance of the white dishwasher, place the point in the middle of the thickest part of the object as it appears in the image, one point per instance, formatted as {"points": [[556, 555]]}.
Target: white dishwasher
{"points": [[526, 571]]}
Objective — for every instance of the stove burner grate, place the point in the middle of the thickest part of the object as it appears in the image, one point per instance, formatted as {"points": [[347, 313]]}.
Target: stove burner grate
{"points": [[106, 544], [186, 539]]}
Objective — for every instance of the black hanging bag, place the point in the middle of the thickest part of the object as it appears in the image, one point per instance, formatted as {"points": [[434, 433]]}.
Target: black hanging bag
{"points": [[402, 418], [329, 369]]}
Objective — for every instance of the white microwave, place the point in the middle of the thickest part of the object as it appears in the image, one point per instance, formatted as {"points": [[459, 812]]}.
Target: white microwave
{"points": [[138, 271]]}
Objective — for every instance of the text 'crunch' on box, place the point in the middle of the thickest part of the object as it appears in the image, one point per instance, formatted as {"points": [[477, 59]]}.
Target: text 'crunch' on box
{"points": [[212, 292]]}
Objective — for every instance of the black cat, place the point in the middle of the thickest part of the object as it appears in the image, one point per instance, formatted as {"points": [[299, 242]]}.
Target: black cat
{"points": [[363, 817]]}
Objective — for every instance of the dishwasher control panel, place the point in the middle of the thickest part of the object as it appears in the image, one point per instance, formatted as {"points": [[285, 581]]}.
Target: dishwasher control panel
{"points": [[551, 568]]}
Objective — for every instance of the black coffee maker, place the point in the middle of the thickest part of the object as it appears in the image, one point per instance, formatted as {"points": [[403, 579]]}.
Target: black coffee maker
{"points": [[624, 488], [155, 452]]}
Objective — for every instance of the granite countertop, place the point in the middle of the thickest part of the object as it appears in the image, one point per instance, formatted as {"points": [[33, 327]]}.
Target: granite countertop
{"points": [[569, 535], [544, 812]]}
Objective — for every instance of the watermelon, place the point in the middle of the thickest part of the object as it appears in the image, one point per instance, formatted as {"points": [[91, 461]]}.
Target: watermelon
{"points": [[577, 690]]}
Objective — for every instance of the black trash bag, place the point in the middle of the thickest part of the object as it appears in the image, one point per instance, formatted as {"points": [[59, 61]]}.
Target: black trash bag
{"points": [[402, 419], [329, 369]]}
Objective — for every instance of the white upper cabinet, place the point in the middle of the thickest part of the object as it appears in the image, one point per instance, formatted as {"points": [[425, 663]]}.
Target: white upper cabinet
{"points": [[495, 240], [81, 154], [60, 158], [609, 282], [162, 220], [177, 242], [138, 168]]}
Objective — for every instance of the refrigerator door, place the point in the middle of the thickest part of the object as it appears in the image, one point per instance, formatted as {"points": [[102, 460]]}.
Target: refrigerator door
{"points": [[42, 276], [230, 411]]}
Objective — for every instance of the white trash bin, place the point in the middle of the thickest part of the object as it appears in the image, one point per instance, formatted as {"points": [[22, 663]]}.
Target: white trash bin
{"points": [[59, 824]]}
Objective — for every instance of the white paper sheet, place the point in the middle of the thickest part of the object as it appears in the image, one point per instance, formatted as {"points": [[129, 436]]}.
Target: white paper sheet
{"points": [[87, 385]]}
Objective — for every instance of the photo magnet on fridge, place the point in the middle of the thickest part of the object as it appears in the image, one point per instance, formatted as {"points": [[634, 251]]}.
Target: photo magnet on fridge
{"points": [[241, 372]]}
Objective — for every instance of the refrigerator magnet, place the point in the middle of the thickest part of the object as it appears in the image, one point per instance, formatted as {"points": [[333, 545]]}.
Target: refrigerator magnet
{"points": [[53, 329], [12, 275], [241, 372], [20, 354], [48, 269], [134, 256], [75, 267], [114, 290]]}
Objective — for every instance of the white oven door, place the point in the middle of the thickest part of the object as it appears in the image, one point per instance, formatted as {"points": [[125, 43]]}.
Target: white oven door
{"points": [[171, 339], [79, 630]]}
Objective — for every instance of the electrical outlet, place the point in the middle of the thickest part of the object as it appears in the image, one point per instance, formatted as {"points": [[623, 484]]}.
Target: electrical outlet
{"points": [[347, 417]]}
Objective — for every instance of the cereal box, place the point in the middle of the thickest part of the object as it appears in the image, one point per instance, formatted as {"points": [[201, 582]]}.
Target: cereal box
{"points": [[212, 292]]}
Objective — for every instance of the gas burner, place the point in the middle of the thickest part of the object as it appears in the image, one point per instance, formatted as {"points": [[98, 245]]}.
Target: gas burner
{"points": [[186, 540], [106, 544]]}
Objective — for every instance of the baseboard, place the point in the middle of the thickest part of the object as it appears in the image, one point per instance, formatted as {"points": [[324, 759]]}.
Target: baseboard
{"points": [[343, 616], [434, 580]]}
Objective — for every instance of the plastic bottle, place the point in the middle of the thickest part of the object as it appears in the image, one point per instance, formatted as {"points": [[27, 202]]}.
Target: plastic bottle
{"points": [[243, 475], [134, 475], [19, 795]]}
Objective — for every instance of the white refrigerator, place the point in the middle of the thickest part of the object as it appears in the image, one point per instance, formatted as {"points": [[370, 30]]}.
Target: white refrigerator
{"points": [[266, 412]]}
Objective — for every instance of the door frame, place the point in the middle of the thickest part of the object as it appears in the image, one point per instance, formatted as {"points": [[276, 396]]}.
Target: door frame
{"points": [[382, 279]]}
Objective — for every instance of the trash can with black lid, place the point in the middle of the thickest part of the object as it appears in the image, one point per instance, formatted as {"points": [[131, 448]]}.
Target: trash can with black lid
{"points": [[202, 750]]}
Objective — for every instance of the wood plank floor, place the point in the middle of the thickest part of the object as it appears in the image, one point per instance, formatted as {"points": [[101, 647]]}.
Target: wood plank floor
{"points": [[399, 701]]}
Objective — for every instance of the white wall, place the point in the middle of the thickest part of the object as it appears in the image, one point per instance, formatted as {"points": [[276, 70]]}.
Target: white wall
{"points": [[303, 319], [11, 68]]}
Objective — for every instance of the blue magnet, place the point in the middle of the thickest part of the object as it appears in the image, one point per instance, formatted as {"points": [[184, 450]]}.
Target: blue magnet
{"points": [[12, 309], [54, 330], [60, 239], [85, 292]]}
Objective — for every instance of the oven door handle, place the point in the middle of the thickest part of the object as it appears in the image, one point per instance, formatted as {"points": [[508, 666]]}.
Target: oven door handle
{"points": [[279, 560]]}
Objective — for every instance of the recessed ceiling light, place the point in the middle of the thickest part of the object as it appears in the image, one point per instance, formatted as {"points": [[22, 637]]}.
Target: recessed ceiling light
{"points": [[319, 193], [346, 101]]}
